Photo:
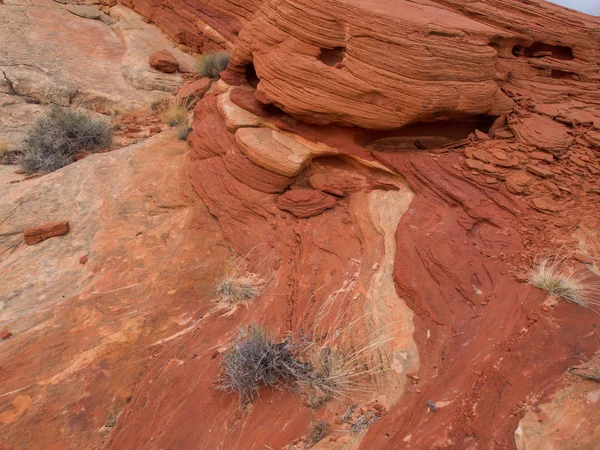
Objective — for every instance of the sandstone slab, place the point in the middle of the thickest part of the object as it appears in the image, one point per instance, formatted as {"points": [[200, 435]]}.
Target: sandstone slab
{"points": [[45, 231], [195, 90], [141, 41], [50, 55], [92, 327]]}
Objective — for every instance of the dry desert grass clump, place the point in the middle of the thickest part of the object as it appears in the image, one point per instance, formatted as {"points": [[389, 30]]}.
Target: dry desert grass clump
{"points": [[175, 111], [559, 277], [57, 136], [323, 365], [589, 370], [255, 360]]}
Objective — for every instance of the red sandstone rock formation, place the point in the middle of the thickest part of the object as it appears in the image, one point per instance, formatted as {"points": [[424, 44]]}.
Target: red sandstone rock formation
{"points": [[200, 25], [489, 347], [42, 232], [164, 61], [439, 213], [304, 203], [380, 65]]}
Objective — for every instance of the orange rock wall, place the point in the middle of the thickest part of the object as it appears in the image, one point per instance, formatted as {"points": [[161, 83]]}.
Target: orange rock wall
{"points": [[198, 24]]}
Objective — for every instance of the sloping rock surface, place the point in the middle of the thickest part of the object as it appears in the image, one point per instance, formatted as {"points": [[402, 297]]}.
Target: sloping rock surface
{"points": [[84, 334], [202, 26]]}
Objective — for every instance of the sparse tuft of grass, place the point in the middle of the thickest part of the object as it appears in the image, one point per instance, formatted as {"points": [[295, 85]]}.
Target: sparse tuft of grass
{"points": [[175, 111], [183, 131], [212, 64], [318, 430], [559, 278], [238, 284], [341, 366], [55, 138], [6, 155], [156, 105]]}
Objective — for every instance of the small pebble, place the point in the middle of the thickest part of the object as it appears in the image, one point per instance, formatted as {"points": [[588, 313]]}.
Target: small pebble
{"points": [[5, 334], [431, 405]]}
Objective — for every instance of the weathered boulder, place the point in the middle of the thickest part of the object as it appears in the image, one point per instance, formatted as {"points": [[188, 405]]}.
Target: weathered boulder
{"points": [[163, 61], [195, 90]]}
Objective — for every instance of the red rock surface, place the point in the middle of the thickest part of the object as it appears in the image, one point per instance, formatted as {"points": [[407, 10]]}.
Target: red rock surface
{"points": [[163, 61], [304, 203], [195, 90], [381, 66], [481, 334], [84, 335], [45, 231], [202, 26], [439, 214]]}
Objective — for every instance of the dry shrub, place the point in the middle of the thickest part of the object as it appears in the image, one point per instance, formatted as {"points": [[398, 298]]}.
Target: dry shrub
{"points": [[589, 370], [238, 284], [323, 365], [175, 111], [55, 138], [255, 360], [212, 64], [359, 420], [557, 276], [318, 430]]}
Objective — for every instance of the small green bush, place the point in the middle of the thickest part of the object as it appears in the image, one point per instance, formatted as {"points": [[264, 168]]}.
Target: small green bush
{"points": [[55, 138], [212, 64]]}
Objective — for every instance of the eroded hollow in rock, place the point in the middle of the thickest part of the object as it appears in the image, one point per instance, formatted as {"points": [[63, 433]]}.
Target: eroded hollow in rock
{"points": [[426, 135], [563, 75], [332, 56], [251, 76], [539, 49]]}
